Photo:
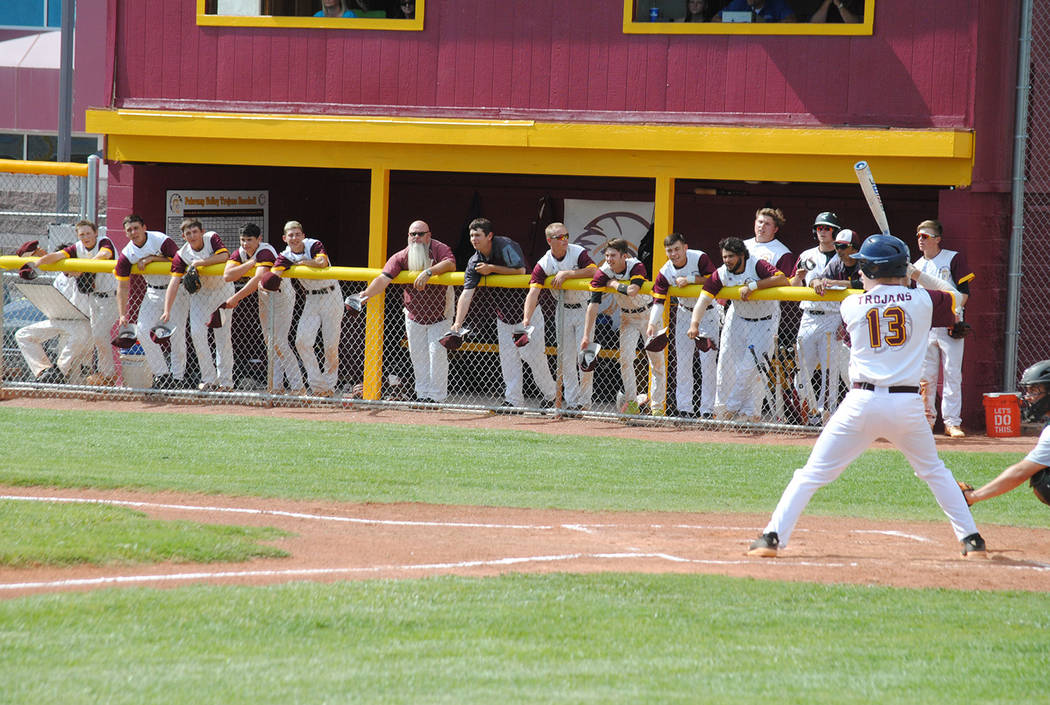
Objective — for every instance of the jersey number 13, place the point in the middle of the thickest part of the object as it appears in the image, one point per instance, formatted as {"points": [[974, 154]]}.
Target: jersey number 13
{"points": [[896, 329]]}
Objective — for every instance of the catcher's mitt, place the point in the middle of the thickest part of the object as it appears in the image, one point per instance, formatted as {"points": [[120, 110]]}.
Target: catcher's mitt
{"points": [[960, 329], [192, 280], [965, 487]]}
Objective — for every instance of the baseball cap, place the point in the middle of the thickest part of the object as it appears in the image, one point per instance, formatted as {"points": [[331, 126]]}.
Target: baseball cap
{"points": [[846, 237], [27, 248]]}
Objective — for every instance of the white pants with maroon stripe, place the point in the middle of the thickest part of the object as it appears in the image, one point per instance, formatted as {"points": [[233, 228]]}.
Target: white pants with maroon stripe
{"points": [[74, 344], [685, 349], [944, 357], [534, 354], [741, 387], [632, 329], [322, 310], [863, 417], [285, 363]]}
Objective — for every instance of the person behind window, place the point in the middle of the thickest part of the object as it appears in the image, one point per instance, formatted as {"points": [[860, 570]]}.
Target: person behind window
{"points": [[700, 10], [408, 9], [761, 10], [334, 8], [837, 11]]}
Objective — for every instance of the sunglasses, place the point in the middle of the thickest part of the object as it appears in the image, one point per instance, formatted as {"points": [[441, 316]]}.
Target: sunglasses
{"points": [[559, 237], [424, 233], [924, 236], [841, 246]]}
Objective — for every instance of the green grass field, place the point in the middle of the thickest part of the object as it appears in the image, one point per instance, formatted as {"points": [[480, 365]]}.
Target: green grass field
{"points": [[519, 638]]}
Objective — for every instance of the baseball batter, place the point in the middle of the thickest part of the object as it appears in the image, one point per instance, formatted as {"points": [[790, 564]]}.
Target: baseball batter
{"points": [[944, 354], [1035, 385], [888, 325], [750, 329], [323, 309], [626, 275], [564, 261], [201, 250], [145, 247], [261, 256], [683, 268], [101, 289]]}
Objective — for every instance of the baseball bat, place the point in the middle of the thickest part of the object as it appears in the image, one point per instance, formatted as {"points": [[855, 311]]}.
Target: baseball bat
{"points": [[778, 388], [871, 195], [763, 371]]}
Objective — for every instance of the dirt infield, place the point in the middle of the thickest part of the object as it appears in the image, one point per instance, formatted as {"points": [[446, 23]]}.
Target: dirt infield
{"points": [[337, 541]]}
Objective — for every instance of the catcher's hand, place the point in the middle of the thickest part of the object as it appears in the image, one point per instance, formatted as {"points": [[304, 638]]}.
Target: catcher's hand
{"points": [[192, 280], [960, 329], [966, 487]]}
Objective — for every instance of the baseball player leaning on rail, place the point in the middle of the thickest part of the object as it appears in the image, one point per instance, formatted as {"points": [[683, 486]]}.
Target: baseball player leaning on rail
{"points": [[100, 289], [1035, 385], [749, 332], [888, 327]]}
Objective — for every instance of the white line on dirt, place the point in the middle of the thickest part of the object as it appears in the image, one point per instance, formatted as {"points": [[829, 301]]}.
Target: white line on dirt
{"points": [[901, 534], [277, 512]]}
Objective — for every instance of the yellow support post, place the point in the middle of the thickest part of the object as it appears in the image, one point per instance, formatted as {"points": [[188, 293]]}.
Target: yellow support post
{"points": [[378, 226], [663, 225]]}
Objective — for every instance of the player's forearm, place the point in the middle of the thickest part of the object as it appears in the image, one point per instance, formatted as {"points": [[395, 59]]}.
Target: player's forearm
{"points": [[1013, 476], [235, 271], [531, 299], [462, 307], [123, 286]]}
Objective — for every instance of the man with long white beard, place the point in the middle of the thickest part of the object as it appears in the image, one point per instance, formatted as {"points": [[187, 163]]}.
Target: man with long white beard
{"points": [[428, 308]]}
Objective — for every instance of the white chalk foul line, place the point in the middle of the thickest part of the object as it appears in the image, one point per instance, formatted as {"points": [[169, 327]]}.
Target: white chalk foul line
{"points": [[315, 572], [277, 512], [901, 534]]}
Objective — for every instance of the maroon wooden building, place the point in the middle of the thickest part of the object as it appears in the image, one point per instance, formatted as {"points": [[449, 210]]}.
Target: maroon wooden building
{"points": [[357, 127]]}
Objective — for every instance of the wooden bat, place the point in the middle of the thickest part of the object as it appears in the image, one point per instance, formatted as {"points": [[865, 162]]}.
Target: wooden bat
{"points": [[871, 195]]}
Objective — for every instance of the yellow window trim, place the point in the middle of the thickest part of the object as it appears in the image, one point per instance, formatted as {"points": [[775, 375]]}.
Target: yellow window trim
{"points": [[631, 26], [276, 22]]}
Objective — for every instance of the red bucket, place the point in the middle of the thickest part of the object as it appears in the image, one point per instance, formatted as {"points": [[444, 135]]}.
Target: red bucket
{"points": [[1002, 415]]}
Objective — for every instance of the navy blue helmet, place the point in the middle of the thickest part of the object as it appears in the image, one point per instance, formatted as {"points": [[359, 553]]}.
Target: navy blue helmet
{"points": [[883, 256]]}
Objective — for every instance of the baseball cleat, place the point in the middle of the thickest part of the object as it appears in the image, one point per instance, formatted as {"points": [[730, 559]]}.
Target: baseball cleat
{"points": [[954, 431], [765, 546], [973, 547]]}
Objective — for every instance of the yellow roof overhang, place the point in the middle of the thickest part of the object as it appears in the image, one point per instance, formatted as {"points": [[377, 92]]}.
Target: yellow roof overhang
{"points": [[934, 157]]}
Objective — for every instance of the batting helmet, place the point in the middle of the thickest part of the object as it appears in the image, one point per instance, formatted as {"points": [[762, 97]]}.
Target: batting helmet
{"points": [[883, 256], [827, 218], [453, 339], [353, 304], [1039, 373], [588, 357], [124, 338], [658, 342], [160, 334], [522, 335]]}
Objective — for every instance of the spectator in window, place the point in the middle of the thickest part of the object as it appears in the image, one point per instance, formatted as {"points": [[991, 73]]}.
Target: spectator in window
{"points": [[761, 10], [334, 8], [837, 11], [699, 10], [408, 9]]}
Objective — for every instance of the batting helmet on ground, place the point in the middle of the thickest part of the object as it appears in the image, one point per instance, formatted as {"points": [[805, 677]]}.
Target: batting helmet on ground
{"points": [[883, 256]]}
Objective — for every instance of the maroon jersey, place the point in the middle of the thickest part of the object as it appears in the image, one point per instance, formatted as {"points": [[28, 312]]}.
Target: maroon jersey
{"points": [[426, 306]]}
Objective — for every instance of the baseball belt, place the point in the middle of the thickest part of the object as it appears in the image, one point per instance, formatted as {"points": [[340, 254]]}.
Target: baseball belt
{"points": [[325, 290], [814, 312], [634, 310], [571, 305], [756, 320], [154, 286], [105, 294], [893, 390]]}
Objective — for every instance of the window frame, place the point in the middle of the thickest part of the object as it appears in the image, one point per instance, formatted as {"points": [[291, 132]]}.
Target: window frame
{"points": [[632, 26], [282, 22]]}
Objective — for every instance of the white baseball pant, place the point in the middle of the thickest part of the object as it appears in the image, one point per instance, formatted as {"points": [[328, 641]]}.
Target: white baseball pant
{"points": [[863, 417], [323, 310], [944, 358], [150, 311], [429, 357], [632, 329], [534, 354], [577, 386], [104, 316], [74, 345], [741, 387], [202, 304], [685, 349], [285, 363], [815, 348]]}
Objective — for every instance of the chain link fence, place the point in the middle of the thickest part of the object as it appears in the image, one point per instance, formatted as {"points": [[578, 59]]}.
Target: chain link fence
{"points": [[303, 345], [1034, 299], [29, 202]]}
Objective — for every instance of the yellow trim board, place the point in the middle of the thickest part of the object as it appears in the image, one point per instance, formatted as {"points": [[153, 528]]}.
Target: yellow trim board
{"points": [[279, 22], [902, 156]]}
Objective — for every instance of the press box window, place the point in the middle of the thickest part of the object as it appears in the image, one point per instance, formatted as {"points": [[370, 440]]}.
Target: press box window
{"points": [[369, 14], [811, 17]]}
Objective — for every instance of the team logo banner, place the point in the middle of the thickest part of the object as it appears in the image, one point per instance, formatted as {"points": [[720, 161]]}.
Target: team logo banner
{"points": [[592, 223]]}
